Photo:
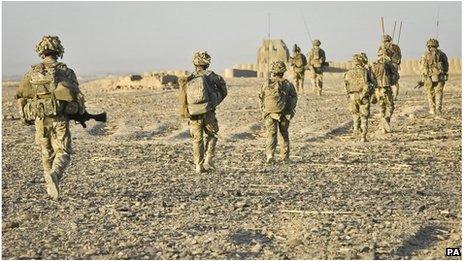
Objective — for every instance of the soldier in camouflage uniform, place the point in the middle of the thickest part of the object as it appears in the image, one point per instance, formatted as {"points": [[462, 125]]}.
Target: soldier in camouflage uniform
{"points": [[278, 100], [298, 63], [394, 53], [434, 70], [385, 74], [316, 57], [200, 93], [359, 83], [47, 94]]}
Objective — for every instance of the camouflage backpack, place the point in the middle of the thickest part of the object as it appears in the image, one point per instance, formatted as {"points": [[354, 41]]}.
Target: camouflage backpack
{"points": [[53, 91], [356, 80], [198, 95], [299, 61], [275, 96]]}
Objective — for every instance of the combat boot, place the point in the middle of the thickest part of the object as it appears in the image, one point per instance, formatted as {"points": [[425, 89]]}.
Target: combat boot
{"points": [[363, 138], [269, 159], [52, 185], [199, 169], [385, 125], [209, 165]]}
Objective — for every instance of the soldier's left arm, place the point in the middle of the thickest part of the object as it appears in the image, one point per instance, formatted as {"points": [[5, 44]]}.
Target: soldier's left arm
{"points": [[221, 85], [293, 95], [445, 62], [322, 56]]}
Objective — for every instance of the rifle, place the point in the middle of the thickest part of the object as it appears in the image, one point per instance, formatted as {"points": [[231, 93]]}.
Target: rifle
{"points": [[82, 118], [420, 84]]}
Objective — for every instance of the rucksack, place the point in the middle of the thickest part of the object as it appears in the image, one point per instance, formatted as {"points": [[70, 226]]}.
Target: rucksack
{"points": [[299, 60], [356, 80], [52, 92], [275, 97], [198, 95]]}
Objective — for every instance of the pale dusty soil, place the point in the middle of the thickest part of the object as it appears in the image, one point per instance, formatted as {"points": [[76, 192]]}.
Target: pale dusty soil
{"points": [[131, 192]]}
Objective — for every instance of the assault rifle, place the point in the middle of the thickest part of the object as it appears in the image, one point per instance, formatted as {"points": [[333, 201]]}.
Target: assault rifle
{"points": [[82, 118], [419, 84]]}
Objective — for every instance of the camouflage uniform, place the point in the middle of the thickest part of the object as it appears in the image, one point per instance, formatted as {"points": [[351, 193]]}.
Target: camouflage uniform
{"points": [[278, 100], [394, 53], [40, 103], [203, 121], [316, 57], [434, 70], [359, 84], [385, 74], [298, 63]]}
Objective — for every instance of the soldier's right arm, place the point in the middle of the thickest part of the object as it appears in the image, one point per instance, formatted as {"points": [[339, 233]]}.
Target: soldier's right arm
{"points": [[24, 87]]}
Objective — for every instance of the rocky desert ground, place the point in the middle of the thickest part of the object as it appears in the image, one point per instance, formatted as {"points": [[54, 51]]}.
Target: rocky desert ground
{"points": [[131, 191]]}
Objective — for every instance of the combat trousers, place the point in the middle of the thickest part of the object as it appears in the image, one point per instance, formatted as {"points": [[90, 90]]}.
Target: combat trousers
{"points": [[273, 126], [387, 106], [434, 91], [316, 80], [54, 139], [199, 124], [299, 79], [360, 112]]}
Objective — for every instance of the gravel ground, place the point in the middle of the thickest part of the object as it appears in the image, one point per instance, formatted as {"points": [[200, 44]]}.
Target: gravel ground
{"points": [[131, 191]]}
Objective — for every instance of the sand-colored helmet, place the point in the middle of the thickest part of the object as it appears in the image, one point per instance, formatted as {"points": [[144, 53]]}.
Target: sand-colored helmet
{"points": [[278, 67], [364, 57], [296, 48], [316, 42], [201, 59], [386, 38], [358, 59], [49, 44], [432, 42]]}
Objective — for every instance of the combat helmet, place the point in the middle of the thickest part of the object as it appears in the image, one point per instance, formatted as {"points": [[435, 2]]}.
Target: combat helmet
{"points": [[49, 44], [296, 48], [316, 42], [278, 67], [432, 42], [358, 59], [364, 57], [201, 59], [386, 38]]}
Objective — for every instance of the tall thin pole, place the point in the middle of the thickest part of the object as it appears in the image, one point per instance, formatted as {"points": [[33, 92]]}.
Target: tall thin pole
{"points": [[383, 26], [438, 21], [394, 29], [268, 42], [399, 32]]}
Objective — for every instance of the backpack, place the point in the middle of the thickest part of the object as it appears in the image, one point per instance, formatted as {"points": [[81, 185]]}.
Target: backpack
{"points": [[356, 80], [275, 97], [53, 90], [299, 60], [197, 92]]}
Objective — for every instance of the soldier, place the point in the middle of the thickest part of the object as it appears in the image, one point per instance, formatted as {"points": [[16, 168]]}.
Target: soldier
{"points": [[434, 70], [47, 94], [385, 74], [298, 63], [394, 53], [317, 62], [359, 84], [278, 100], [200, 93]]}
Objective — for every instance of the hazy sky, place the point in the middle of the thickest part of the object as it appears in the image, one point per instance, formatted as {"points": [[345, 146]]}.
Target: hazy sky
{"points": [[120, 37]]}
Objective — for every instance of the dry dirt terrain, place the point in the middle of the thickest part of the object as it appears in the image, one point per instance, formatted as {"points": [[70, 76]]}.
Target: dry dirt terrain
{"points": [[131, 191]]}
